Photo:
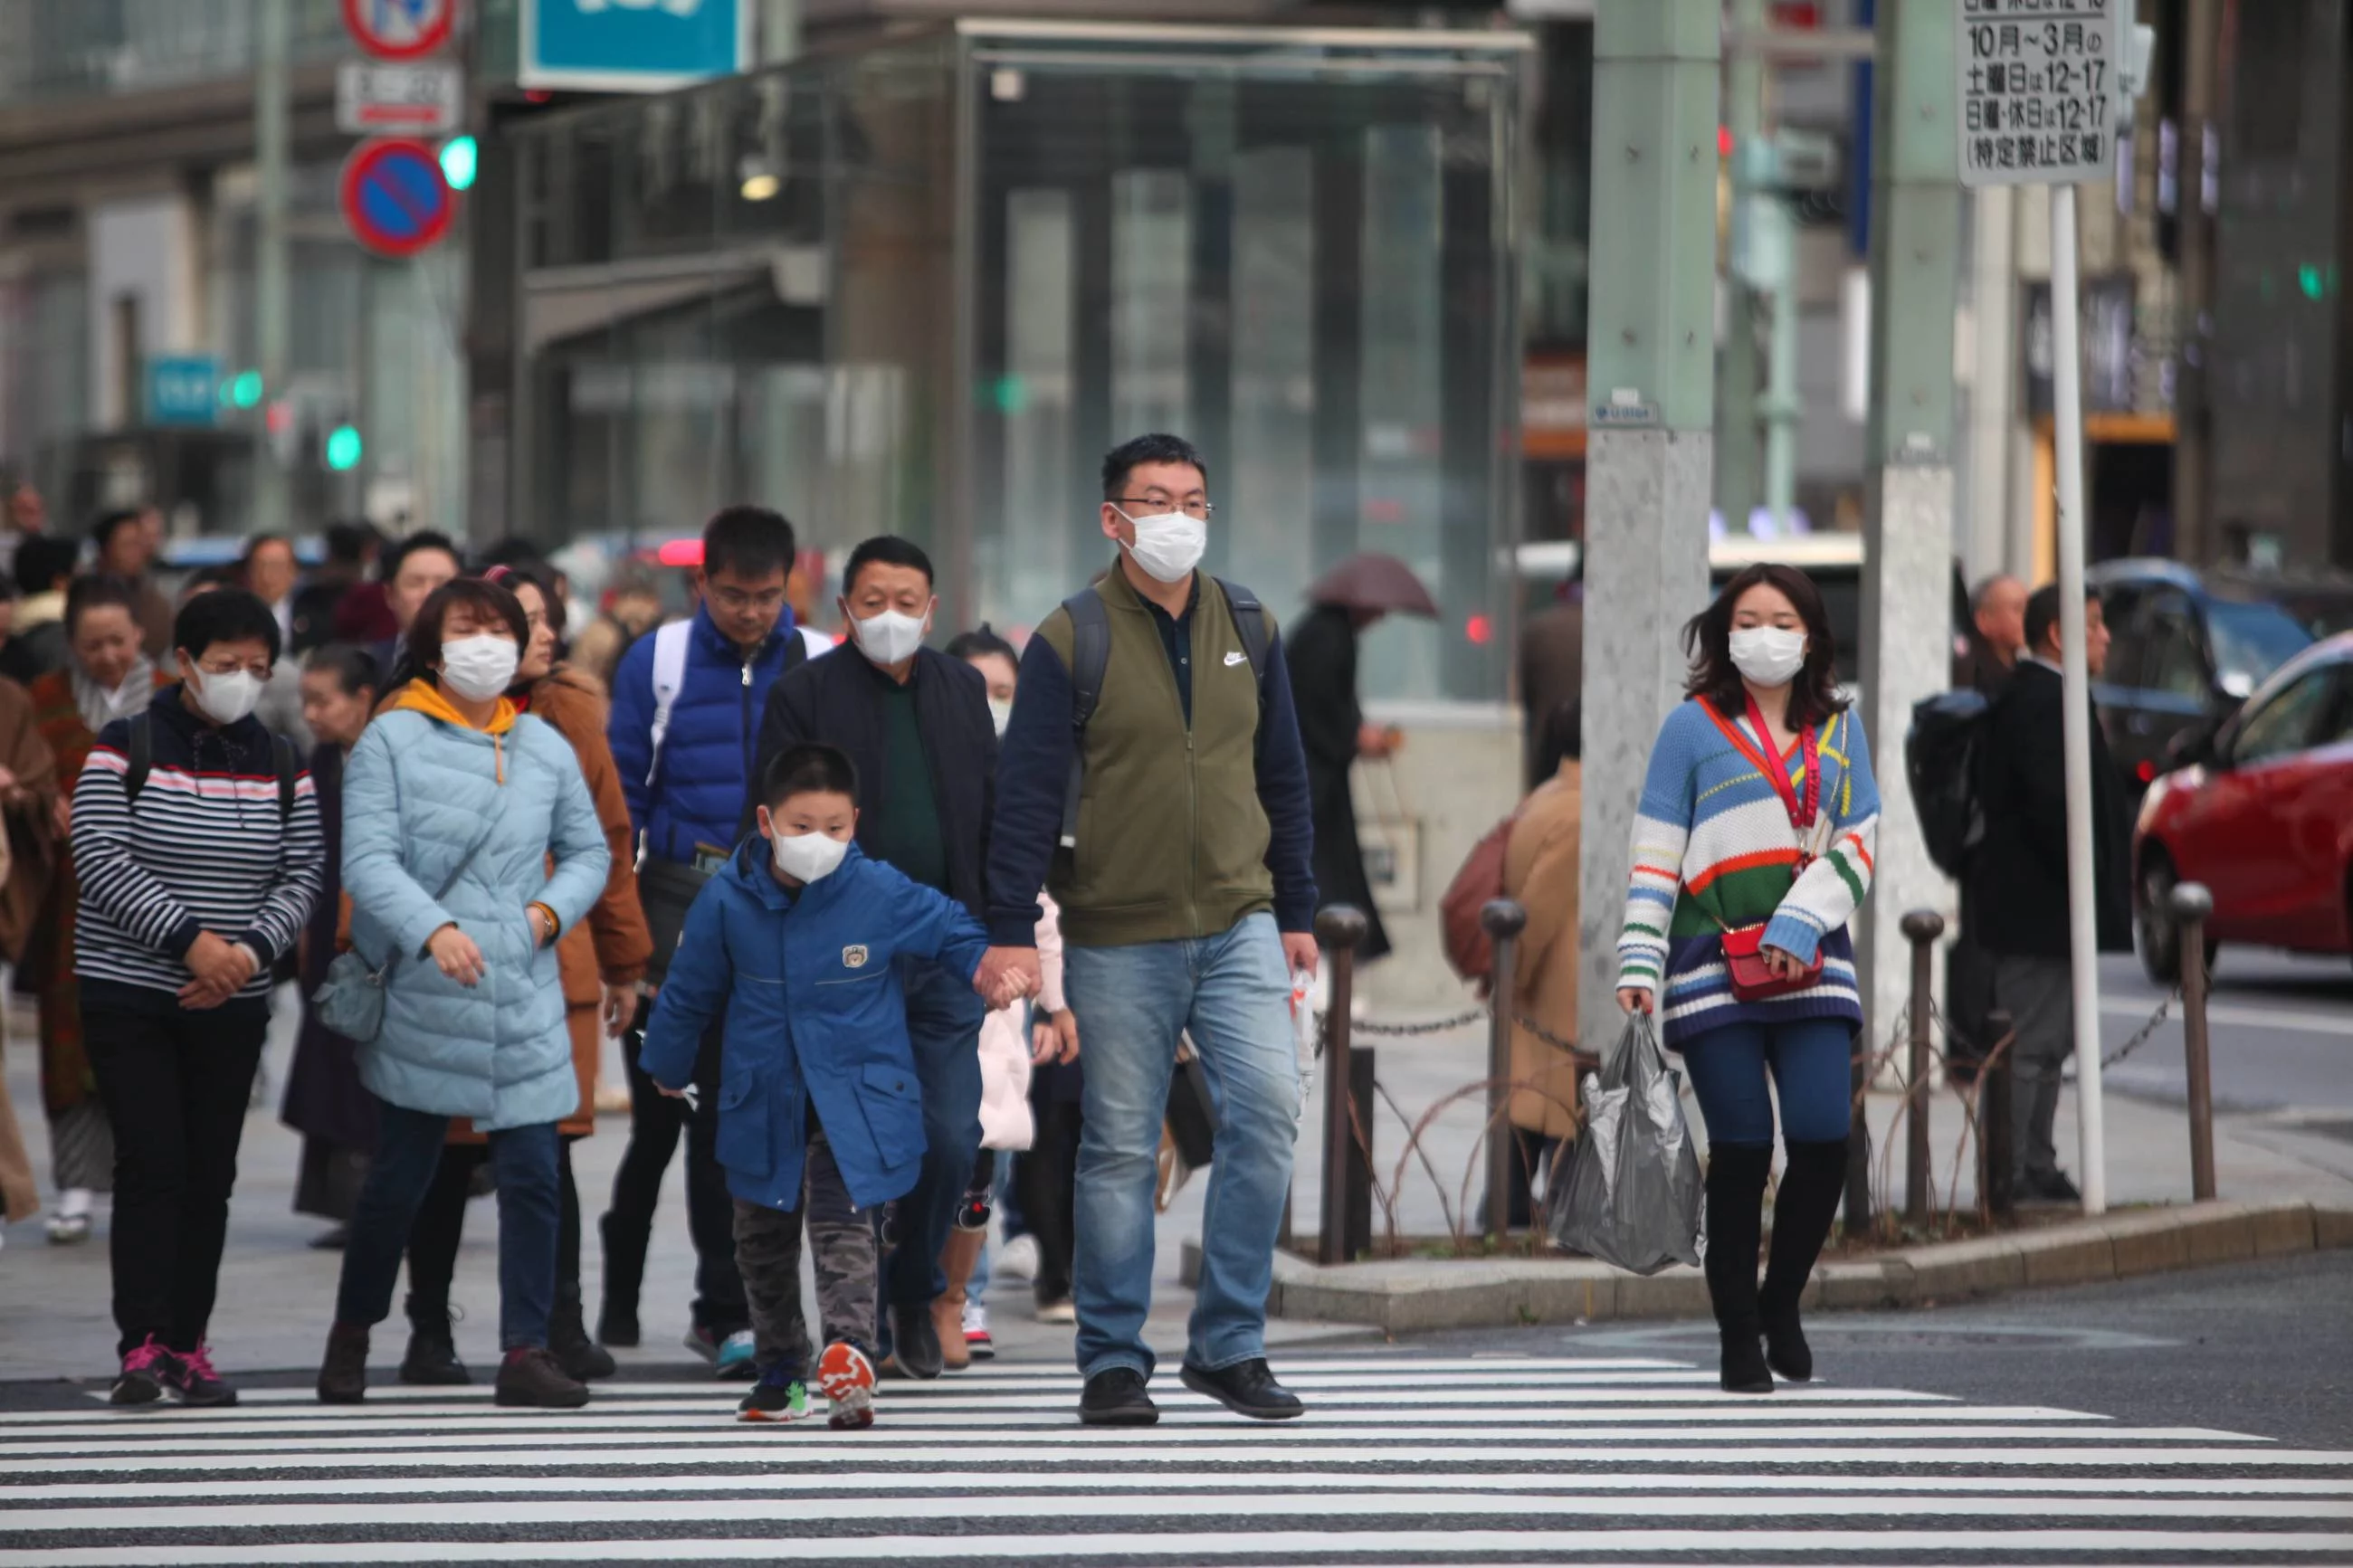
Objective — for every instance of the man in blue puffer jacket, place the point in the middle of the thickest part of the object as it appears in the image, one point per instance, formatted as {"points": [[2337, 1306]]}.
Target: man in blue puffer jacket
{"points": [[820, 1109], [686, 713]]}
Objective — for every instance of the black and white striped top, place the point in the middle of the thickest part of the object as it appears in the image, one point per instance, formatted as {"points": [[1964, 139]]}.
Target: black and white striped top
{"points": [[207, 849]]}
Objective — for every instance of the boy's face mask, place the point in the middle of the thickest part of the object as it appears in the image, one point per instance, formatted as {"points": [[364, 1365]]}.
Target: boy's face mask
{"points": [[810, 846]]}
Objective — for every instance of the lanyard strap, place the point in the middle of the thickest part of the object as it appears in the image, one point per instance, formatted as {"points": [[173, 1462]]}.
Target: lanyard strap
{"points": [[1803, 809]]}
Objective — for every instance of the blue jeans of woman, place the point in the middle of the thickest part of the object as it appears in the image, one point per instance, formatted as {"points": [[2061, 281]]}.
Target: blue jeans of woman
{"points": [[409, 1152], [1809, 1063]]}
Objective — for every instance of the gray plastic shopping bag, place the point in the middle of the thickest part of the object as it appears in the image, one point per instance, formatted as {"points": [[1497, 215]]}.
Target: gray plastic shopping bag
{"points": [[1632, 1195]]}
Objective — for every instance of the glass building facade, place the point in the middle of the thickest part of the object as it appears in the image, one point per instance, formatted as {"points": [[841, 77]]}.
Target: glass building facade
{"points": [[922, 288]]}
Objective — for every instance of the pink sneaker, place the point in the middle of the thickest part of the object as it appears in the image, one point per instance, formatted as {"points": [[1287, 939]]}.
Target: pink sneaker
{"points": [[191, 1377], [144, 1367]]}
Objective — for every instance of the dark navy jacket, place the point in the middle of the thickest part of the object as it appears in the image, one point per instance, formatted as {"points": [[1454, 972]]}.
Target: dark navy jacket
{"points": [[705, 769], [814, 1015]]}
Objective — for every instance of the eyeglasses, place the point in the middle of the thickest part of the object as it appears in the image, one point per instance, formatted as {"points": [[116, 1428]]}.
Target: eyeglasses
{"points": [[1193, 509]]}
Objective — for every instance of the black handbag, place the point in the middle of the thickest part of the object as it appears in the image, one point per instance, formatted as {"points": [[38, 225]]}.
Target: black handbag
{"points": [[1192, 1117], [665, 890]]}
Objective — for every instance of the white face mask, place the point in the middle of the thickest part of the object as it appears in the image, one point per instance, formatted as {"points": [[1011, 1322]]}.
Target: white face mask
{"points": [[479, 668], [889, 637], [1000, 712], [1169, 545], [1769, 655], [225, 698], [807, 857]]}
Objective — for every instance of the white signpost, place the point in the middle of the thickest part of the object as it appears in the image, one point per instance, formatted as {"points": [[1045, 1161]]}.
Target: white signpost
{"points": [[374, 98], [2042, 95]]}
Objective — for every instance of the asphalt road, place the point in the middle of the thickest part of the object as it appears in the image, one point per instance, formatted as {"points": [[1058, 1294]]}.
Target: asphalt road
{"points": [[2281, 1030]]}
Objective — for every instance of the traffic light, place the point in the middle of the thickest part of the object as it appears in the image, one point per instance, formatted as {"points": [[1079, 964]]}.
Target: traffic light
{"points": [[343, 448], [461, 159], [242, 390]]}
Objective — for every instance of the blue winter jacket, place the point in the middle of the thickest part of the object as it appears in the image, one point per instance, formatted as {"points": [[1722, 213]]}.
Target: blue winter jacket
{"points": [[813, 1012], [694, 793], [416, 793]]}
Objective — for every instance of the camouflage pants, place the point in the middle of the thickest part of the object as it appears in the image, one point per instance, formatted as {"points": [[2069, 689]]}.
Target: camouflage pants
{"points": [[842, 1246]]}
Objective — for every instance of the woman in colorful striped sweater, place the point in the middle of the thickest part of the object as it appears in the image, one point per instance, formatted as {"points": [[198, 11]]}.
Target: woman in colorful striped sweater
{"points": [[1752, 850]]}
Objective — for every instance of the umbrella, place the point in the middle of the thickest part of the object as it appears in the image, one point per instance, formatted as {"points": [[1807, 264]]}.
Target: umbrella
{"points": [[1370, 581]]}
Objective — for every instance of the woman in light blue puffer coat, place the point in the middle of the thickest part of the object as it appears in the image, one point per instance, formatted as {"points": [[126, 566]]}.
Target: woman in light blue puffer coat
{"points": [[453, 807]]}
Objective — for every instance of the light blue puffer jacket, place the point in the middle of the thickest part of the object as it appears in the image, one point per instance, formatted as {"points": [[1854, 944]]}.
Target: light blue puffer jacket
{"points": [[416, 793]]}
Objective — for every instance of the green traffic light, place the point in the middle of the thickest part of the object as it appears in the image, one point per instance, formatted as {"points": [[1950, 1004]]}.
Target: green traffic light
{"points": [[244, 389], [459, 160], [343, 448]]}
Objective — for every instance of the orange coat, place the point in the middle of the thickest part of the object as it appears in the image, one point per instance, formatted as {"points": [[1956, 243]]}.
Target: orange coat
{"points": [[612, 946], [1540, 862]]}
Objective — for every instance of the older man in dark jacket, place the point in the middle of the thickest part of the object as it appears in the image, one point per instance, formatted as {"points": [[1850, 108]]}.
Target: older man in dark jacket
{"points": [[916, 725], [2018, 881]]}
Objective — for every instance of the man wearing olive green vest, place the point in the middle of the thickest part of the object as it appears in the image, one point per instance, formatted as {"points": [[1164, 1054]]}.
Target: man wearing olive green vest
{"points": [[1187, 900]]}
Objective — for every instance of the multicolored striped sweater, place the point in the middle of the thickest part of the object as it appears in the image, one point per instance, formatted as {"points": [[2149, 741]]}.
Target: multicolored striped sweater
{"points": [[1712, 844]]}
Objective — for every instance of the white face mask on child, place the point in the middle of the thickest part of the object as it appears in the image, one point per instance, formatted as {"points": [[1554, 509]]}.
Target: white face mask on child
{"points": [[809, 856]]}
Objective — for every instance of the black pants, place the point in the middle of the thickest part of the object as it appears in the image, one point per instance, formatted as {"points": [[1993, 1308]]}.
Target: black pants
{"points": [[1046, 1174], [440, 1226], [1530, 1157], [655, 1121], [175, 1086]]}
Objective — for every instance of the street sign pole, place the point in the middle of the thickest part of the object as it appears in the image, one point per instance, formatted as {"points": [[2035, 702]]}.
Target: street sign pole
{"points": [[2082, 926], [2042, 85]]}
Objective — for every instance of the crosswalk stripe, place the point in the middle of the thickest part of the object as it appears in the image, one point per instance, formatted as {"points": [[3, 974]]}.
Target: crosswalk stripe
{"points": [[1397, 1464], [730, 1448], [835, 1482]]}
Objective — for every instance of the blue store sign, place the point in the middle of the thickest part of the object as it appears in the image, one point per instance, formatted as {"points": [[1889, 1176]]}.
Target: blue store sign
{"points": [[633, 45], [183, 389]]}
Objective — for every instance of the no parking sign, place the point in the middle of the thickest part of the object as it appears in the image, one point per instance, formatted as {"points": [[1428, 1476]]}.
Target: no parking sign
{"points": [[395, 198]]}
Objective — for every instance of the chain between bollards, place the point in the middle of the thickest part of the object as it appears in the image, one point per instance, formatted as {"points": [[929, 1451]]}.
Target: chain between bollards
{"points": [[2190, 906]]}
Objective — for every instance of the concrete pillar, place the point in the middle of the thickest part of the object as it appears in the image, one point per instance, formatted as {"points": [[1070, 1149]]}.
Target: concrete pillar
{"points": [[1906, 587], [1737, 486], [272, 287], [2193, 534], [1650, 374]]}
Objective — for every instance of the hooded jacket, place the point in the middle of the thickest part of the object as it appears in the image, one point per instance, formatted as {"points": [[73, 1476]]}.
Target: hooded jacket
{"points": [[422, 787], [815, 1017]]}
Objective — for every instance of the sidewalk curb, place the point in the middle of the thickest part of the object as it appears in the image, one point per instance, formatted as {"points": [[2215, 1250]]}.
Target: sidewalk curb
{"points": [[1405, 1295]]}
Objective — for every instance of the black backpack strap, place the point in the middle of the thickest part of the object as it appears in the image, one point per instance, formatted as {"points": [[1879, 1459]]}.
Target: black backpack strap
{"points": [[143, 757], [796, 653], [1250, 619], [1090, 658], [289, 768]]}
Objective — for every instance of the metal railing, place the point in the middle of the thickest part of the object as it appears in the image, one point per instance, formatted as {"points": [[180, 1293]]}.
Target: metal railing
{"points": [[1351, 1185]]}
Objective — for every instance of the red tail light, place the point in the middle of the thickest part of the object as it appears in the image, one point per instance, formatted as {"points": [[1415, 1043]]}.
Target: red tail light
{"points": [[2146, 770]]}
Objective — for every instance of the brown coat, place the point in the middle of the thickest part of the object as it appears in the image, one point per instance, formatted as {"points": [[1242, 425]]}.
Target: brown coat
{"points": [[611, 947], [30, 819], [1540, 871]]}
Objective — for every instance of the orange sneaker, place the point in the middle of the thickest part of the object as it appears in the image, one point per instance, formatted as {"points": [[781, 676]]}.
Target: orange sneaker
{"points": [[846, 1377]]}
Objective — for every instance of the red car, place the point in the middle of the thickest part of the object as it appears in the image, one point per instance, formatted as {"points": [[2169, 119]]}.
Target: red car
{"points": [[2265, 819]]}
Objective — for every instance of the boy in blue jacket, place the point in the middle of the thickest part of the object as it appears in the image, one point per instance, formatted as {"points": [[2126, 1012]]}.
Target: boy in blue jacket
{"points": [[820, 1111]]}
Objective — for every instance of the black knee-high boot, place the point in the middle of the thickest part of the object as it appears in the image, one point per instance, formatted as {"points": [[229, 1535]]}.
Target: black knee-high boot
{"points": [[1736, 1219], [1802, 1212]]}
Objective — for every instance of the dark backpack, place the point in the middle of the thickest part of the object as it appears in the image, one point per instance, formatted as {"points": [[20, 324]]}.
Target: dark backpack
{"points": [[1941, 760], [1090, 657], [142, 763]]}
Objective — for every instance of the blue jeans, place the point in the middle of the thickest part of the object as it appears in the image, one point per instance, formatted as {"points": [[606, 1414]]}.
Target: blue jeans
{"points": [[944, 1017], [1233, 993], [408, 1151], [1811, 1060]]}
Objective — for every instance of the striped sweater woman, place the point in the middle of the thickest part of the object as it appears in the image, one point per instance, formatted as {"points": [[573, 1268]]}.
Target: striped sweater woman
{"points": [[1752, 850], [190, 892]]}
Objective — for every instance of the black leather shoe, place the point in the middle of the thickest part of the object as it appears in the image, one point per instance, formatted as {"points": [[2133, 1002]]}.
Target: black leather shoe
{"points": [[1245, 1388], [530, 1379], [432, 1359], [916, 1343], [342, 1374], [1116, 1398], [581, 1357]]}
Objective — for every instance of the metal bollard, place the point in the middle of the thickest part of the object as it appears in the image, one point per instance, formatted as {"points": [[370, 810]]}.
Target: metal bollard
{"points": [[2190, 906], [1998, 1167], [1338, 930], [1503, 919], [1357, 1195], [1921, 927]]}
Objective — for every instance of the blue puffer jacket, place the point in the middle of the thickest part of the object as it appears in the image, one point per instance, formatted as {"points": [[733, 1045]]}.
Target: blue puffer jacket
{"points": [[498, 1051], [705, 762], [813, 1012]]}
